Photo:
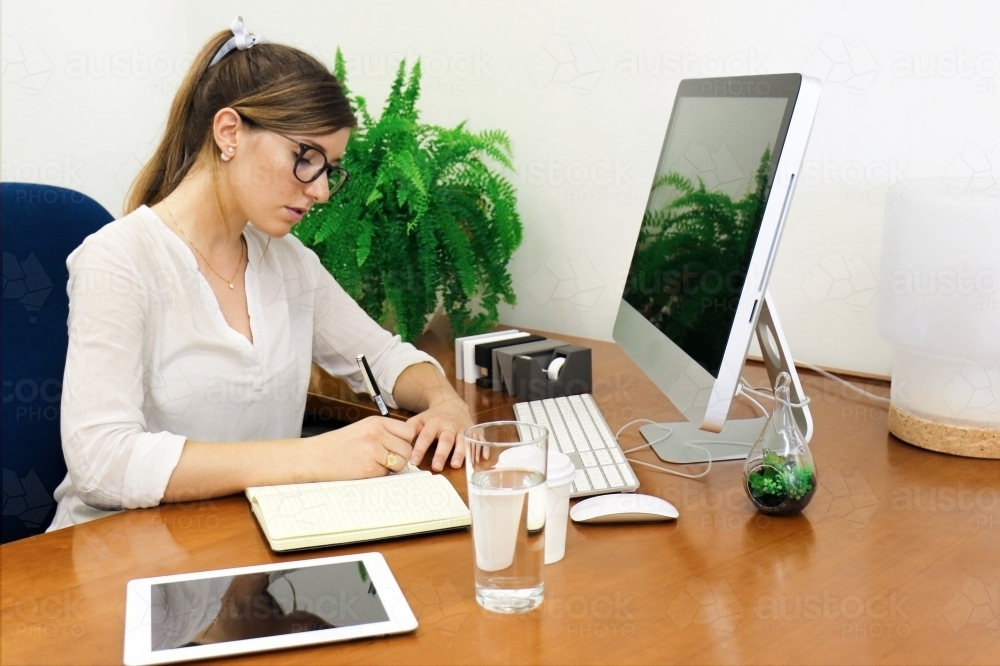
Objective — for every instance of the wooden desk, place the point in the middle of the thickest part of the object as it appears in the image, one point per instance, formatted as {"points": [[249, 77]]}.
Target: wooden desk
{"points": [[894, 561]]}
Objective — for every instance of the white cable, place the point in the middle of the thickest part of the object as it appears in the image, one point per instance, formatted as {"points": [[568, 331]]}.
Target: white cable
{"points": [[665, 470], [649, 445], [766, 390], [745, 389], [655, 441], [871, 397], [742, 390]]}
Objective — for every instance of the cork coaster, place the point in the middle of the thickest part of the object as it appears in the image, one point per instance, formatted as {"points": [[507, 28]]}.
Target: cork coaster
{"points": [[954, 439]]}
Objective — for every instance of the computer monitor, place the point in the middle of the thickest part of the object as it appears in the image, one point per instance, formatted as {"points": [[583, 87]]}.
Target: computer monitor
{"points": [[697, 286]]}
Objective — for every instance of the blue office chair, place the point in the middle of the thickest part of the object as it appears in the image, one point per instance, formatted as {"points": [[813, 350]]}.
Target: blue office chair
{"points": [[41, 226]]}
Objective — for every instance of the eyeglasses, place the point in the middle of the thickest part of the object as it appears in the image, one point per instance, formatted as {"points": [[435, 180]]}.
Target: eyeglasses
{"points": [[310, 164]]}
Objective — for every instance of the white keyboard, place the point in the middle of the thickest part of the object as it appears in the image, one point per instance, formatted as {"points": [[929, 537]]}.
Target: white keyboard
{"points": [[578, 429]]}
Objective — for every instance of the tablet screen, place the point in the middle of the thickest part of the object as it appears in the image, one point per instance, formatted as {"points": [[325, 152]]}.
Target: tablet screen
{"points": [[257, 605]]}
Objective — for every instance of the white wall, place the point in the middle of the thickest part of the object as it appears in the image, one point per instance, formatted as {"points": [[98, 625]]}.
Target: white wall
{"points": [[86, 88], [584, 90]]}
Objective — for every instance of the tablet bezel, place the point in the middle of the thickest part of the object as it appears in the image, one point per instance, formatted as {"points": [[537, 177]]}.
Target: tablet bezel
{"points": [[138, 626]]}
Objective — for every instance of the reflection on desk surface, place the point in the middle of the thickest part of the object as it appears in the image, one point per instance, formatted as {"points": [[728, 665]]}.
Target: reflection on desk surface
{"points": [[256, 605]]}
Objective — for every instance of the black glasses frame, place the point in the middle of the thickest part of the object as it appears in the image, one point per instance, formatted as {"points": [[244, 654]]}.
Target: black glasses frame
{"points": [[330, 169]]}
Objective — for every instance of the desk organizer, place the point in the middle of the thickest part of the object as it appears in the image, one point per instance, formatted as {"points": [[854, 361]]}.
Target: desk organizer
{"points": [[486, 354], [531, 381], [503, 361], [520, 366]]}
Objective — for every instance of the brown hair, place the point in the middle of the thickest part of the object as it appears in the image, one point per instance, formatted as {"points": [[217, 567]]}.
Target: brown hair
{"points": [[271, 86]]}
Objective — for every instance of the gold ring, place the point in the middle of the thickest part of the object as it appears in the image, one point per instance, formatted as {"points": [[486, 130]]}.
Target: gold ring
{"points": [[452, 431], [391, 460]]}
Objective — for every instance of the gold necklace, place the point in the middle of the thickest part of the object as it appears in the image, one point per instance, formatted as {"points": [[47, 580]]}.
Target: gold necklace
{"points": [[243, 243]]}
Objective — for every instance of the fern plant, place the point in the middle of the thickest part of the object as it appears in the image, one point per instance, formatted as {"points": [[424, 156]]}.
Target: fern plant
{"points": [[688, 270], [427, 216]]}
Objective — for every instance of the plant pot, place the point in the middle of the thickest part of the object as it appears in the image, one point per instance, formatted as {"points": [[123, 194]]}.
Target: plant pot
{"points": [[779, 475], [781, 504]]}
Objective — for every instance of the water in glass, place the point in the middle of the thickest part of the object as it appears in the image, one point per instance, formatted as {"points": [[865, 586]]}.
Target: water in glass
{"points": [[510, 547]]}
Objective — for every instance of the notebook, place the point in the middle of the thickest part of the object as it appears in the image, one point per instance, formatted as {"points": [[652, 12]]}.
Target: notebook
{"points": [[312, 515]]}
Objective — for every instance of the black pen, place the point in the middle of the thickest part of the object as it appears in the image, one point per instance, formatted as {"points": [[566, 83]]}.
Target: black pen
{"points": [[372, 385]]}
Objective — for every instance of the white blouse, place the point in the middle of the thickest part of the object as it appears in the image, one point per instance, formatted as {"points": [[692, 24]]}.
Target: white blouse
{"points": [[152, 362]]}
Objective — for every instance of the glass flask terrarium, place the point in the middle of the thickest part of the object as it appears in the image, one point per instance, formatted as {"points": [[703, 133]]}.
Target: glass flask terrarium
{"points": [[780, 475]]}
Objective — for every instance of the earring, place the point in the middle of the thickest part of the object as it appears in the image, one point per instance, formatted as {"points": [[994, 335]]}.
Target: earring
{"points": [[226, 158]]}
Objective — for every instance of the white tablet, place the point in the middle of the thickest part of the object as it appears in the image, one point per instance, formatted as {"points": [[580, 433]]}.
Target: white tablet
{"points": [[267, 607]]}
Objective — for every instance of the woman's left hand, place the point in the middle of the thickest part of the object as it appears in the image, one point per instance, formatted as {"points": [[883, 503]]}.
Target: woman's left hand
{"points": [[444, 422]]}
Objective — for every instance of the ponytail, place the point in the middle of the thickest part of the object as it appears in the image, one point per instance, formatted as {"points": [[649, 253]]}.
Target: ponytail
{"points": [[271, 86], [166, 169]]}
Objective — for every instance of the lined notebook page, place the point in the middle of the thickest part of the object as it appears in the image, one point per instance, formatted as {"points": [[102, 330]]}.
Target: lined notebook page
{"points": [[343, 506]]}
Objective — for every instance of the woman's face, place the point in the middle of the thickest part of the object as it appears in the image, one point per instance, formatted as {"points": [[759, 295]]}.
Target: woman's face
{"points": [[261, 177]]}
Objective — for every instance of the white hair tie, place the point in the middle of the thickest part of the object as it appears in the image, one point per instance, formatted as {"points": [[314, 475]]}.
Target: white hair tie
{"points": [[241, 40]]}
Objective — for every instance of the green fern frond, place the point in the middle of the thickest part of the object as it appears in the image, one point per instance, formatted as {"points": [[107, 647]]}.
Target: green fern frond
{"points": [[340, 70], [428, 214]]}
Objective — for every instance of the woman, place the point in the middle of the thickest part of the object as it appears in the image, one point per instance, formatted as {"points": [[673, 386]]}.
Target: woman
{"points": [[191, 332]]}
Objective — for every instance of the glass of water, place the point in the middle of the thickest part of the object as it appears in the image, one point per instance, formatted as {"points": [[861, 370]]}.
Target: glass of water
{"points": [[505, 466]]}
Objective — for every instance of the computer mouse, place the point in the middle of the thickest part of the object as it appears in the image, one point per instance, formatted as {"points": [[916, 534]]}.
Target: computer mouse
{"points": [[623, 508]]}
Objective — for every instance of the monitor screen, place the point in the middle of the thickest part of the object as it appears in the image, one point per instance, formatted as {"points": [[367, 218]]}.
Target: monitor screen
{"points": [[218, 609], [705, 207]]}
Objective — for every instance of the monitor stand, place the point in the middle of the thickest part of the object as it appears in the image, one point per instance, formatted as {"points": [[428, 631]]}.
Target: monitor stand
{"points": [[688, 443]]}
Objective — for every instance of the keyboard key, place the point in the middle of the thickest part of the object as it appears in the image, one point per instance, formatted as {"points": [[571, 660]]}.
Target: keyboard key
{"points": [[614, 478], [576, 433], [565, 409], [591, 406], [606, 431], [604, 457], [585, 431], [563, 441], [616, 453], [580, 482], [598, 417], [588, 459], [627, 474], [596, 478], [590, 431]]}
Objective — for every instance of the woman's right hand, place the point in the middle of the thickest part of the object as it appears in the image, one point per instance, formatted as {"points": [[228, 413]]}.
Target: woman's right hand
{"points": [[360, 450]]}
